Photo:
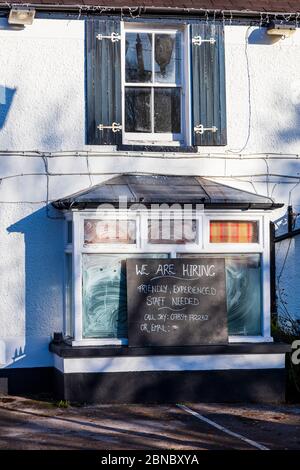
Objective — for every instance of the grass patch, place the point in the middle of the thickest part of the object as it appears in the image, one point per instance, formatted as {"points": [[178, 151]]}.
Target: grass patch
{"points": [[63, 404]]}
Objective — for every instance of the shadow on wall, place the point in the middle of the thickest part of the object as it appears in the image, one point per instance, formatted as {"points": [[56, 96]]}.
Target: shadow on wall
{"points": [[6, 99], [6, 26], [287, 280], [291, 134], [44, 270]]}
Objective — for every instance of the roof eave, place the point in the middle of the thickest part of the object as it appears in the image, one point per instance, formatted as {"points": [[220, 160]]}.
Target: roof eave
{"points": [[70, 204], [111, 10]]}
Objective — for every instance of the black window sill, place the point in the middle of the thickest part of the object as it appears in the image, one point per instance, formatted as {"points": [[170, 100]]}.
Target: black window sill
{"points": [[65, 350], [156, 148]]}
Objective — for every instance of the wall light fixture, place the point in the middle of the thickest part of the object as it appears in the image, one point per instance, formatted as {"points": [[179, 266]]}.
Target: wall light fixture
{"points": [[285, 30], [21, 15]]}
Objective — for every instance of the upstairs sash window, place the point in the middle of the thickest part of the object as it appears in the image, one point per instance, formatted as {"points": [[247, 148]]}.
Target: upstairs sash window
{"points": [[153, 85]]}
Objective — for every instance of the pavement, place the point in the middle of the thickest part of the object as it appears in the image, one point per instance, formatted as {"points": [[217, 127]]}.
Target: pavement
{"points": [[37, 425]]}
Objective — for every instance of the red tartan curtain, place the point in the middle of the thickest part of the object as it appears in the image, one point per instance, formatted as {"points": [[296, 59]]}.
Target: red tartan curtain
{"points": [[233, 231]]}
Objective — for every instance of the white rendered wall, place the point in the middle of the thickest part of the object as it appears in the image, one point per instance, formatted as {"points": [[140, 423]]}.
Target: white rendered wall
{"points": [[287, 280], [42, 108]]}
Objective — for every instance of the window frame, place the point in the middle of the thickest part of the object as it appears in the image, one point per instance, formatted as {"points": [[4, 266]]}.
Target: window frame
{"points": [[201, 246], [161, 139], [232, 246]]}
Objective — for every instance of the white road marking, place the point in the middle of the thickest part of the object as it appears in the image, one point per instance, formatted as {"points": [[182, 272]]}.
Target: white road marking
{"points": [[221, 428]]}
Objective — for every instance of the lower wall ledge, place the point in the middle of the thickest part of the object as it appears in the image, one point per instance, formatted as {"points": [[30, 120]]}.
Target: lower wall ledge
{"points": [[65, 350], [169, 363]]}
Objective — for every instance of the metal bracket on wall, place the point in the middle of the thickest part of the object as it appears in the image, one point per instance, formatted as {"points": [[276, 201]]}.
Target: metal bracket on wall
{"points": [[200, 129], [197, 40], [114, 37], [115, 127]]}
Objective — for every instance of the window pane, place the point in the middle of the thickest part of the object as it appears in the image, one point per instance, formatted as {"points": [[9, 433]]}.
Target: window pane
{"points": [[68, 296], [109, 231], [167, 58], [138, 65], [172, 231], [243, 288], [137, 109], [235, 231], [167, 110], [243, 285], [105, 294]]}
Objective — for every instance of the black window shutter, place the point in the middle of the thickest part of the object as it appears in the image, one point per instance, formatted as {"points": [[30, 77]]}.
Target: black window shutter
{"points": [[103, 81], [208, 84]]}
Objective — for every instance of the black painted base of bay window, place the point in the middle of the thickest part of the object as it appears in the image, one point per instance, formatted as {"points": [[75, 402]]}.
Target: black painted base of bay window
{"points": [[231, 386], [100, 374], [260, 386]]}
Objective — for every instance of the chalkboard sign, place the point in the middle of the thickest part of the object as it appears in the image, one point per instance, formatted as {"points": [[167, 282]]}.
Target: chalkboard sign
{"points": [[176, 302]]}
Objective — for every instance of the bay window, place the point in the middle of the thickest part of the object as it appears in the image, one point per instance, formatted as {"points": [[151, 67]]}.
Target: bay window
{"points": [[96, 255]]}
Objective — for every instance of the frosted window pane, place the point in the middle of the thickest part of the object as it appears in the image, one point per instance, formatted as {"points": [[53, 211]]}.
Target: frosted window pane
{"points": [[243, 285], [172, 231], [244, 293], [105, 294], [109, 231]]}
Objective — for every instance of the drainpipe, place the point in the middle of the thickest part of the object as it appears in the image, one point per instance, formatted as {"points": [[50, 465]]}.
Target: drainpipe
{"points": [[290, 219]]}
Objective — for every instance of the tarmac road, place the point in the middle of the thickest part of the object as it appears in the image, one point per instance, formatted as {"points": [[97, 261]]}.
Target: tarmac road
{"points": [[29, 424]]}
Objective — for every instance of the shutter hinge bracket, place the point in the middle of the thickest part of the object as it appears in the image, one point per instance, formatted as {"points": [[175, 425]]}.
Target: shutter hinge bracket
{"points": [[114, 37], [115, 127], [200, 129], [197, 40]]}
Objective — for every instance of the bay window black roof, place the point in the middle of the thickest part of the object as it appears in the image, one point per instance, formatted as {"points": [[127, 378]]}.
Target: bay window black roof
{"points": [[158, 189]]}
